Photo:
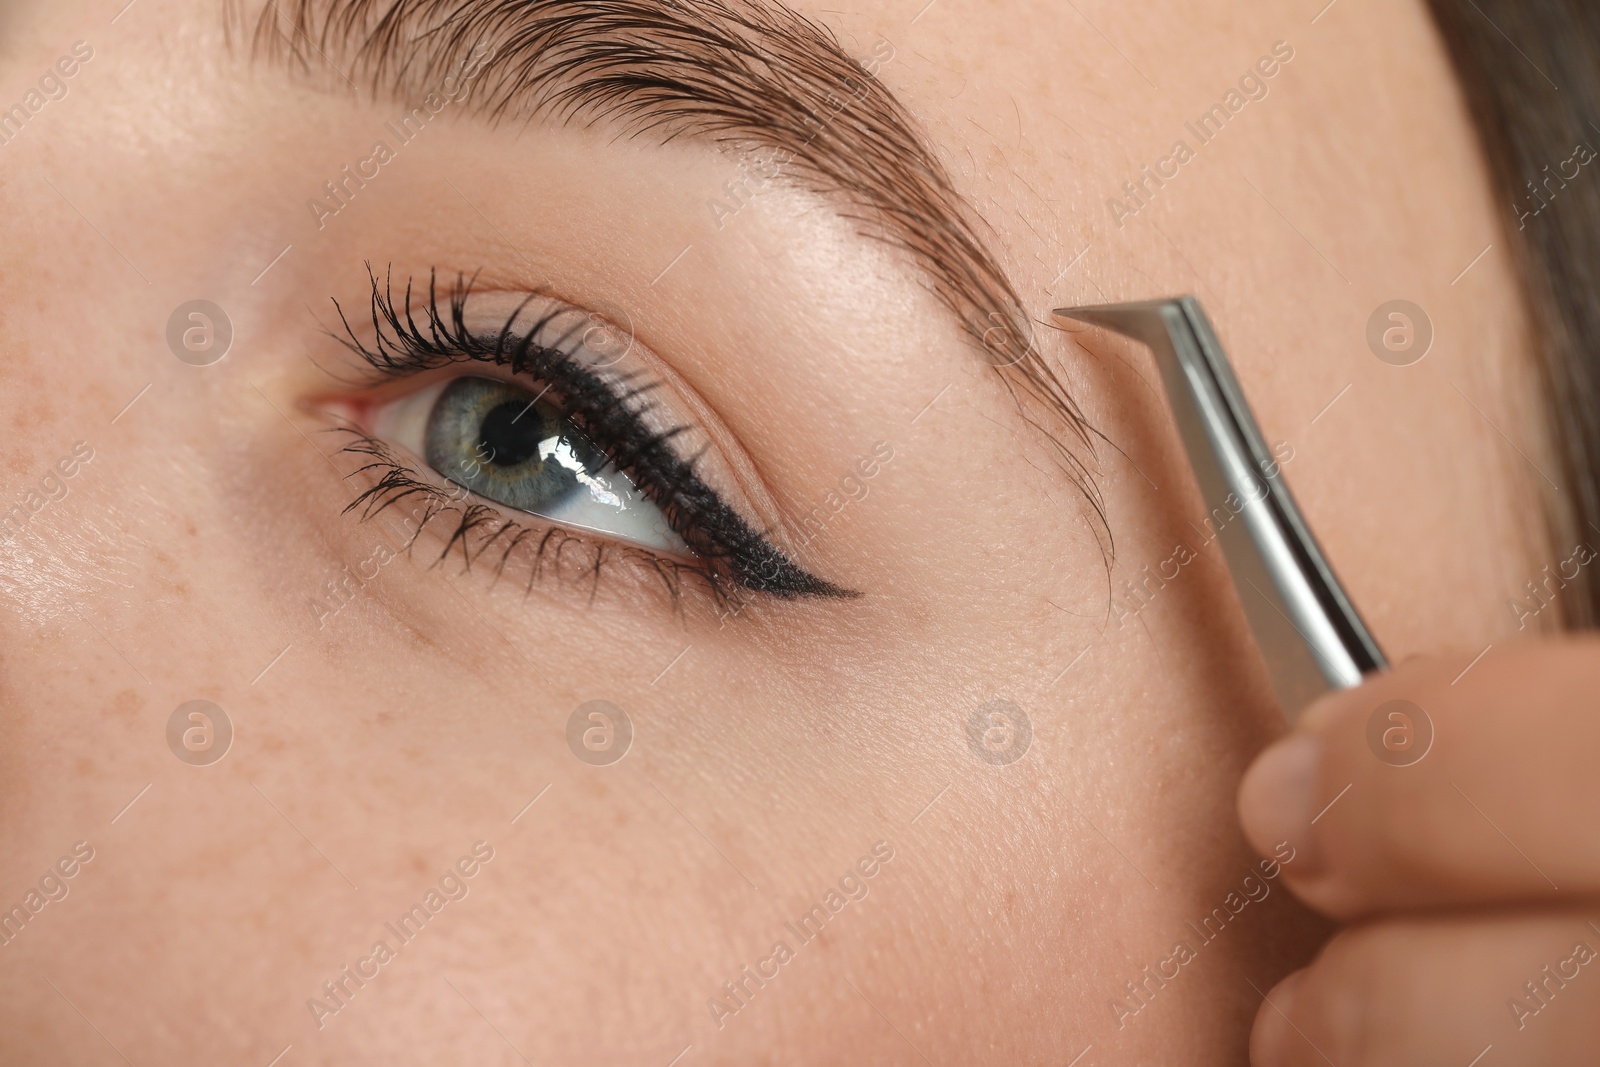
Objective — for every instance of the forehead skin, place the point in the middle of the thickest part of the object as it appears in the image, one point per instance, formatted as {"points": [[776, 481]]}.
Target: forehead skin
{"points": [[771, 755]]}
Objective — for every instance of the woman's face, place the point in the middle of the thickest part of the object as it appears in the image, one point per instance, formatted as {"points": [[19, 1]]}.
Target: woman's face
{"points": [[826, 842]]}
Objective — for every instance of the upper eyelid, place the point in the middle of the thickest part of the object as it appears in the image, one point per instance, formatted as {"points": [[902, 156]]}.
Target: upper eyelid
{"points": [[395, 326], [361, 336], [399, 343]]}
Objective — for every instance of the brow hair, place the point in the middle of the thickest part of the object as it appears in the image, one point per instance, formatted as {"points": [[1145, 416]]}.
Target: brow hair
{"points": [[747, 76]]}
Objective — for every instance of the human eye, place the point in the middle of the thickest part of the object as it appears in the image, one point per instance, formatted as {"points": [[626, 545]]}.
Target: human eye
{"points": [[533, 425]]}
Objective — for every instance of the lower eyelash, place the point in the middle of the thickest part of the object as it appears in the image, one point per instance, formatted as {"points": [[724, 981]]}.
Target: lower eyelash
{"points": [[499, 536]]}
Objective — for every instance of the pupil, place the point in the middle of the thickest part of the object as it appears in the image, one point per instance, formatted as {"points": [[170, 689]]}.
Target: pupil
{"points": [[509, 437]]}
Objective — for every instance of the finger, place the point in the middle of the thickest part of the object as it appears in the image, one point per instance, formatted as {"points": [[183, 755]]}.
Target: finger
{"points": [[1473, 992], [1446, 782]]}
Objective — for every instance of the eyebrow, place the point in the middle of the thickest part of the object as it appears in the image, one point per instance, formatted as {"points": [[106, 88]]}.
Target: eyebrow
{"points": [[753, 78]]}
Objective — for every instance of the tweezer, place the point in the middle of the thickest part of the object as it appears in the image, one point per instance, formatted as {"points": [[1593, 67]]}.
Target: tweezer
{"points": [[1310, 634]]}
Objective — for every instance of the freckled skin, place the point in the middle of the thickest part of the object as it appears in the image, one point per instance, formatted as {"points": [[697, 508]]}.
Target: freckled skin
{"points": [[770, 753]]}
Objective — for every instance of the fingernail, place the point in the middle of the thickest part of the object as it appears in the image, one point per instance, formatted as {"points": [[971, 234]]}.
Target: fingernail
{"points": [[1278, 798], [1269, 1037]]}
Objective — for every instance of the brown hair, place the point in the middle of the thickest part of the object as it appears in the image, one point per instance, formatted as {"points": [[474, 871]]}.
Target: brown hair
{"points": [[1531, 73]]}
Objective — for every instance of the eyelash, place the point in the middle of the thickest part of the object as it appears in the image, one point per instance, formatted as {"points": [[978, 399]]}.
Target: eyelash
{"points": [[732, 555]]}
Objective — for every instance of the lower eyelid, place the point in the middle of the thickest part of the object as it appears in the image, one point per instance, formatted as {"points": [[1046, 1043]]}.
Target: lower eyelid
{"points": [[487, 534]]}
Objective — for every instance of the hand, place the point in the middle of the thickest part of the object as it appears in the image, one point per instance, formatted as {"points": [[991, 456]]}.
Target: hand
{"points": [[1459, 836]]}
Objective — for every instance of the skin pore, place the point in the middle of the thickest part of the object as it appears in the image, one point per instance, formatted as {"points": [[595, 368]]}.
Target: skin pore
{"points": [[777, 750]]}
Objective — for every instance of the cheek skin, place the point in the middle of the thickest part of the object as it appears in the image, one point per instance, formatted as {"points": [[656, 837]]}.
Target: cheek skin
{"points": [[422, 727]]}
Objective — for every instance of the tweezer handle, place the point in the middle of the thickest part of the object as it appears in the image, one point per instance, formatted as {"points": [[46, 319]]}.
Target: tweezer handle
{"points": [[1311, 635]]}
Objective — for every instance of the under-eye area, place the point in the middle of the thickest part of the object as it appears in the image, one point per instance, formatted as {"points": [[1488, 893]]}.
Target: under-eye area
{"points": [[535, 437]]}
